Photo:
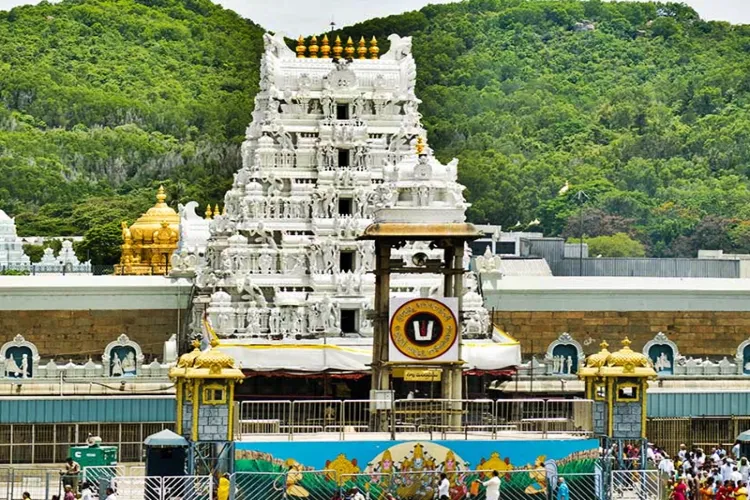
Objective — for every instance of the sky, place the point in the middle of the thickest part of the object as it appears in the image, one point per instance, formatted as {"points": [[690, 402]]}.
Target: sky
{"points": [[302, 17]]}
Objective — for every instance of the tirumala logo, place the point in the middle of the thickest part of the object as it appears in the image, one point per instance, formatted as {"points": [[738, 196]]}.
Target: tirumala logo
{"points": [[423, 329]]}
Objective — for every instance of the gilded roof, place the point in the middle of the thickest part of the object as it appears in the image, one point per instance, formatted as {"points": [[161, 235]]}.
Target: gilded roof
{"points": [[214, 359], [152, 219], [187, 360], [628, 357], [599, 359]]}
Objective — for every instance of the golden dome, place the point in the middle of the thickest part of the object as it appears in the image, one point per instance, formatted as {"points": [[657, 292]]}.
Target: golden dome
{"points": [[214, 360], [626, 357], [187, 360], [599, 359], [144, 227]]}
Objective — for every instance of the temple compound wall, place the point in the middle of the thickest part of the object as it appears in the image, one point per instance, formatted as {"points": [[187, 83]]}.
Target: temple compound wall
{"points": [[76, 317], [698, 333]]}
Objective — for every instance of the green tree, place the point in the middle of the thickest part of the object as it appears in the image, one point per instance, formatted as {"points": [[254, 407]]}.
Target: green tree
{"points": [[616, 245], [101, 244]]}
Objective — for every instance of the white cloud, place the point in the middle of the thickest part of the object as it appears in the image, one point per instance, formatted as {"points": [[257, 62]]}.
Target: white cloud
{"points": [[295, 17]]}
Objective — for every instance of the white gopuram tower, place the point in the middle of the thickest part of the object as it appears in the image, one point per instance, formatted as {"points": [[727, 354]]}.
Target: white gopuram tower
{"points": [[283, 264]]}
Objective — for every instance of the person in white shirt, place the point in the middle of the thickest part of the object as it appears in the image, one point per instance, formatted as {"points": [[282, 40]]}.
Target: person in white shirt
{"points": [[682, 453], [358, 495], [744, 469], [736, 476], [444, 488], [736, 450], [726, 470], [667, 467], [111, 494], [493, 486], [86, 492]]}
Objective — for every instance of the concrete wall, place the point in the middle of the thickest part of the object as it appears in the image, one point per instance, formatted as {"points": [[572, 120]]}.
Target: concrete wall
{"points": [[696, 333]]}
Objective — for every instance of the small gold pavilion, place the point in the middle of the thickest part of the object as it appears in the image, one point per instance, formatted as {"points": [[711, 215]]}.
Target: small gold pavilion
{"points": [[148, 244], [617, 383], [204, 382]]}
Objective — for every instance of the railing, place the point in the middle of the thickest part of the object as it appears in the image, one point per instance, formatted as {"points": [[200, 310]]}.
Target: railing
{"points": [[435, 416], [327, 484], [44, 484]]}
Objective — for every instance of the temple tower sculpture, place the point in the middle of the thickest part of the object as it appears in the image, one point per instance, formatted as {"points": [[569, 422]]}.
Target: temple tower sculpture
{"points": [[617, 383], [285, 262]]}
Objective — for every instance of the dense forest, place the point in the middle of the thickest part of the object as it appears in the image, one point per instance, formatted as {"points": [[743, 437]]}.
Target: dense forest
{"points": [[642, 106]]}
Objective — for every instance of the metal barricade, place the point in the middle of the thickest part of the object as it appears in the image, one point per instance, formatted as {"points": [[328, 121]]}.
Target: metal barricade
{"points": [[569, 416], [316, 416], [360, 416], [38, 483], [266, 417], [314, 485], [520, 415], [638, 485], [538, 482], [422, 415], [373, 485]]}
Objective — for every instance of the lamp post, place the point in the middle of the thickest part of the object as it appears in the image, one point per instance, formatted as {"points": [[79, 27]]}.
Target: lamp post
{"points": [[582, 198]]}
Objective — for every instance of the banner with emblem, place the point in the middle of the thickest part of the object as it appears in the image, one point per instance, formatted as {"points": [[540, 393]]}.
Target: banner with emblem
{"points": [[424, 330]]}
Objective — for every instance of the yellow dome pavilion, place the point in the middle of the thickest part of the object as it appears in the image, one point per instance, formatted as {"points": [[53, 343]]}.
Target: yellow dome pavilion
{"points": [[615, 364], [148, 244]]}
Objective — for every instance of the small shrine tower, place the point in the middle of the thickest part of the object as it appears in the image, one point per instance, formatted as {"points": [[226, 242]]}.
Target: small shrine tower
{"points": [[205, 395], [148, 244], [617, 383]]}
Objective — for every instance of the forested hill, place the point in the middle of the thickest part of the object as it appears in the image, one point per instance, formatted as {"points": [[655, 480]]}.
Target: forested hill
{"points": [[643, 106]]}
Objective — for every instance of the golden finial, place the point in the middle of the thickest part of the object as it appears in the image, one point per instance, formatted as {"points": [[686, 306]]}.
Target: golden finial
{"points": [[337, 48], [216, 210], [361, 48], [301, 47], [196, 343], [313, 47], [420, 146], [161, 195], [224, 210], [626, 343], [349, 48], [208, 211], [374, 50], [325, 49], [604, 345]]}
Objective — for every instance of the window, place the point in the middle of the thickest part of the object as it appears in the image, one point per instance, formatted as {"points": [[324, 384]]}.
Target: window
{"points": [[214, 394], [600, 391], [342, 111], [348, 321], [345, 206], [627, 391], [343, 157], [346, 261]]}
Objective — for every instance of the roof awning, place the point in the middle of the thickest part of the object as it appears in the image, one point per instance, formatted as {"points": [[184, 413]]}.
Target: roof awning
{"points": [[500, 353]]}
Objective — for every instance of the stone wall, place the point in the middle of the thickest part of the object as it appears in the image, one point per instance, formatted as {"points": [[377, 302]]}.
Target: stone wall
{"points": [[696, 333], [627, 420], [80, 334]]}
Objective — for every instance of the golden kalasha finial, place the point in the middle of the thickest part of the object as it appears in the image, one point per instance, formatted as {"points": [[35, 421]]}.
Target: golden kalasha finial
{"points": [[374, 50], [161, 195], [337, 48], [313, 47], [301, 47], [349, 48], [224, 210], [626, 343], [604, 345], [325, 49], [216, 210], [208, 211], [362, 48], [420, 146]]}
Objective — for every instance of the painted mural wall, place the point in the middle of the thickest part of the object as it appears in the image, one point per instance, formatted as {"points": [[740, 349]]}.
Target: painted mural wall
{"points": [[410, 469]]}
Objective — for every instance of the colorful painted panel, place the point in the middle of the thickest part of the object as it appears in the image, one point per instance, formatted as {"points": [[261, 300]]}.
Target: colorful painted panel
{"points": [[410, 469]]}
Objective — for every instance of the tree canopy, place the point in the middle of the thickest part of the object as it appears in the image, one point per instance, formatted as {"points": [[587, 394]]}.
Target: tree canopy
{"points": [[644, 106]]}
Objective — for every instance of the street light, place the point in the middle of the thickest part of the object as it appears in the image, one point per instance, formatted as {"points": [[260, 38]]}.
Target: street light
{"points": [[581, 197]]}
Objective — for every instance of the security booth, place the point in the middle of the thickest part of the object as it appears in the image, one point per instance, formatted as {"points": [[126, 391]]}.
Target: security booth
{"points": [[166, 454]]}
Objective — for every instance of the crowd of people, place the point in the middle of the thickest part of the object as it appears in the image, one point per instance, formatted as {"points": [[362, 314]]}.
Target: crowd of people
{"points": [[697, 475]]}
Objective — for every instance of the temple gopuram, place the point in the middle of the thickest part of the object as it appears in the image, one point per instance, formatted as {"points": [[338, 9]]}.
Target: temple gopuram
{"points": [[148, 244]]}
